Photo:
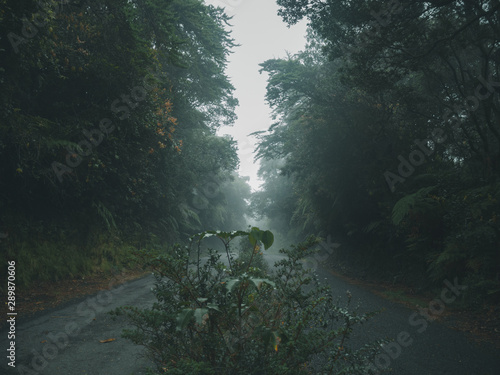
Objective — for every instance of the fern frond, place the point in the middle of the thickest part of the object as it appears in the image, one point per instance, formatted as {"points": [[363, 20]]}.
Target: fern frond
{"points": [[189, 215], [105, 214], [372, 226], [59, 143], [405, 204]]}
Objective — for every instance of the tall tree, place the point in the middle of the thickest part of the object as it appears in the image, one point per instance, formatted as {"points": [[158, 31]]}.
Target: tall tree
{"points": [[398, 140], [108, 118]]}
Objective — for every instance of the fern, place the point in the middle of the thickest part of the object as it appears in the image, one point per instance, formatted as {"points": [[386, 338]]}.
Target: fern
{"points": [[58, 143], [105, 214], [372, 226], [405, 204], [305, 213], [189, 215], [218, 213], [169, 223]]}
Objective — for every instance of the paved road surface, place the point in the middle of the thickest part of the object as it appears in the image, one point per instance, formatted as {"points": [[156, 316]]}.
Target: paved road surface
{"points": [[425, 347], [66, 341]]}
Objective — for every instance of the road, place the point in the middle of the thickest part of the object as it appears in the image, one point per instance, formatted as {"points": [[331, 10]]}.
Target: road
{"points": [[67, 340], [425, 346]]}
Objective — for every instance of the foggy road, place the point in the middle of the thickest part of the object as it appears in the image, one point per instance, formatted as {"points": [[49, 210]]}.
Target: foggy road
{"points": [[67, 340]]}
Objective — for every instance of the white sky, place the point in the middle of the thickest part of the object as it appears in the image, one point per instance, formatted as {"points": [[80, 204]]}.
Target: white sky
{"points": [[262, 35]]}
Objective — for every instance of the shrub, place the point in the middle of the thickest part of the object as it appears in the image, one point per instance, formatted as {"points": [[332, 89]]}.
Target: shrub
{"points": [[248, 253], [215, 317]]}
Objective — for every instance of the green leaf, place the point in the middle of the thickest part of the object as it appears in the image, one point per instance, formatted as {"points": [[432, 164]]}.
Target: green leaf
{"points": [[199, 314], [183, 318], [269, 337], [220, 234], [258, 282], [238, 233], [231, 284], [213, 306], [253, 236], [405, 204], [266, 237]]}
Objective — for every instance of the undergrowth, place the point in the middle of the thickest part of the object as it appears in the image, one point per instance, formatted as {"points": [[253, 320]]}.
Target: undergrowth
{"points": [[45, 256], [222, 314]]}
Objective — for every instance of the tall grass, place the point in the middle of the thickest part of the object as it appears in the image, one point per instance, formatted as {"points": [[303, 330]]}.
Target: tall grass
{"points": [[54, 256]]}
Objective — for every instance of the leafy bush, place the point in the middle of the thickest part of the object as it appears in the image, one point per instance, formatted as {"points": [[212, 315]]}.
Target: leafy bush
{"points": [[215, 317], [248, 253]]}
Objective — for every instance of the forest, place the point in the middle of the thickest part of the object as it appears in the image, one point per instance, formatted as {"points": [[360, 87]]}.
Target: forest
{"points": [[108, 131], [385, 135], [384, 145], [387, 138]]}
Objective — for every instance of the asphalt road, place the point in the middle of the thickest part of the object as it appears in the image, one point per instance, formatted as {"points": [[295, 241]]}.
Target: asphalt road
{"points": [[421, 345], [67, 340]]}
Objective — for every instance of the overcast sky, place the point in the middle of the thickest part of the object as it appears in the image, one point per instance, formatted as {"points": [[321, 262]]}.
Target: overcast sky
{"points": [[262, 35]]}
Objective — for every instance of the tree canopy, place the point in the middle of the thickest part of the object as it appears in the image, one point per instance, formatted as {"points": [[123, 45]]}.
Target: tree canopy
{"points": [[387, 131], [108, 121]]}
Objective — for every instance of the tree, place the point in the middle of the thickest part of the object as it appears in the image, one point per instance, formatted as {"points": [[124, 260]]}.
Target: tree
{"points": [[107, 107], [325, 131], [417, 82]]}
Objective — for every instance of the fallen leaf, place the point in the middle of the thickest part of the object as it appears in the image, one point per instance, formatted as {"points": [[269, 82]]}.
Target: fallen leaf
{"points": [[107, 340]]}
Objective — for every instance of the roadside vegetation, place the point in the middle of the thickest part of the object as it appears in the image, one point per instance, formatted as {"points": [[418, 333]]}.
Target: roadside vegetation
{"points": [[220, 314], [108, 132], [387, 139]]}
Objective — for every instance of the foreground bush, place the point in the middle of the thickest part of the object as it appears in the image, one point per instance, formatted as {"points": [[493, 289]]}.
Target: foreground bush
{"points": [[215, 317]]}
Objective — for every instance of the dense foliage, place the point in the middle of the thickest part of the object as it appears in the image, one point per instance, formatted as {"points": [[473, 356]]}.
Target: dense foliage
{"points": [[387, 137], [228, 316], [108, 130]]}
